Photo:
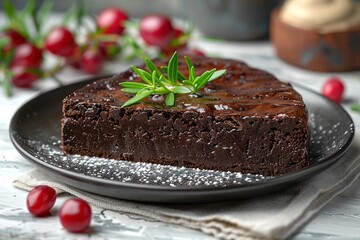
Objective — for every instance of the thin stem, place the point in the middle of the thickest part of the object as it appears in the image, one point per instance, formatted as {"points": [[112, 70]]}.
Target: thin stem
{"points": [[57, 80], [7, 86]]}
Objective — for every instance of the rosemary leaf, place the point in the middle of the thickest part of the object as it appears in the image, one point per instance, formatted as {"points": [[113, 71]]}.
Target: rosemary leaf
{"points": [[70, 14], [191, 69], [189, 63], [7, 85], [6, 59], [151, 66], [192, 74], [161, 90], [172, 70], [29, 9], [44, 12], [217, 74], [145, 77], [9, 9], [181, 76], [137, 98], [133, 85], [80, 13], [181, 90], [355, 107], [154, 79], [159, 81], [131, 90], [187, 82], [204, 78], [170, 99]]}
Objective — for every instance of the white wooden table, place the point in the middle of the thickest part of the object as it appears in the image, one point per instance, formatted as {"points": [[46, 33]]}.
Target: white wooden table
{"points": [[340, 219]]}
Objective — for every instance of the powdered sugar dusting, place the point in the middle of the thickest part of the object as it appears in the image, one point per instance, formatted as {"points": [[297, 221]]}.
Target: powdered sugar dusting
{"points": [[137, 172], [324, 141]]}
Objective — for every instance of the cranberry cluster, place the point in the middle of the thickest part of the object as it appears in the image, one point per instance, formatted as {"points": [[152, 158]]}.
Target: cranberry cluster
{"points": [[104, 43], [74, 214]]}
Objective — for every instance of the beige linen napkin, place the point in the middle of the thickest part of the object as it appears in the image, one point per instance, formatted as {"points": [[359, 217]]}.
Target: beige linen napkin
{"points": [[275, 216]]}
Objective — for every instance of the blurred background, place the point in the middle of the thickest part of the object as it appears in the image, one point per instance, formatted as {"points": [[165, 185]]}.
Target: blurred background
{"points": [[227, 19], [136, 8]]}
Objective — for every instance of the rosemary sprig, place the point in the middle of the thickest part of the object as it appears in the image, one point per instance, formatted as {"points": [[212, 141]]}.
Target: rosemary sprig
{"points": [[355, 107], [167, 81]]}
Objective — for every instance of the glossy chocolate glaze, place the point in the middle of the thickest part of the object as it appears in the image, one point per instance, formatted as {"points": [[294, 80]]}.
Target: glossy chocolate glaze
{"points": [[243, 91]]}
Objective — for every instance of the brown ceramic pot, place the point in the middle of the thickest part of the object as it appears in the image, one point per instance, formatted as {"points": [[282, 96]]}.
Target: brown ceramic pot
{"points": [[311, 50]]}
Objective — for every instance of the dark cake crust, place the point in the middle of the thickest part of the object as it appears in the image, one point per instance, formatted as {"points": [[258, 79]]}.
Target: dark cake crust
{"points": [[245, 121]]}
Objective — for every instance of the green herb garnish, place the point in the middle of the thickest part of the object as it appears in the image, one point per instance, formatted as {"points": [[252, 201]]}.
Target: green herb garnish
{"points": [[167, 81], [355, 107]]}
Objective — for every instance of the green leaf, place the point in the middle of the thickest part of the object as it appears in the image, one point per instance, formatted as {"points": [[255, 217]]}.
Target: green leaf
{"points": [[187, 82], [6, 59], [188, 62], [161, 90], [44, 12], [70, 14], [9, 9], [170, 99], [133, 85], [131, 90], [7, 85], [159, 81], [81, 11], [154, 78], [3, 42], [29, 9], [190, 68], [181, 90], [355, 107], [192, 74], [131, 24], [217, 74], [203, 79], [138, 97], [36, 71], [142, 74], [146, 74], [172, 70], [180, 75], [151, 66]]}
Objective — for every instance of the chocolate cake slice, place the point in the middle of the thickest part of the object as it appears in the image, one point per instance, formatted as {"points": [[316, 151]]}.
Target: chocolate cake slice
{"points": [[245, 121]]}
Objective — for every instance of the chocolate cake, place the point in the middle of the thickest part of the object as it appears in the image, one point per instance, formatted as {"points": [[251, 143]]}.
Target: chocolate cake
{"points": [[245, 121]]}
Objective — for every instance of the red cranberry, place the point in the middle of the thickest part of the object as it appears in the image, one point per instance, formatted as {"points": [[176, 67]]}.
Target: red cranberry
{"points": [[109, 49], [92, 60], [75, 215], [156, 30], [15, 39], [40, 200], [22, 78], [111, 20], [190, 52], [170, 48], [60, 41], [178, 32], [334, 89], [27, 55]]}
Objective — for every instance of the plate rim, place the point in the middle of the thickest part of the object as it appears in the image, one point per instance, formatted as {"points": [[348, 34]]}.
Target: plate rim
{"points": [[321, 164]]}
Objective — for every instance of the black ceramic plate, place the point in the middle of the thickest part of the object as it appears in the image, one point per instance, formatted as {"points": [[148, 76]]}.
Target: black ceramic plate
{"points": [[35, 132]]}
